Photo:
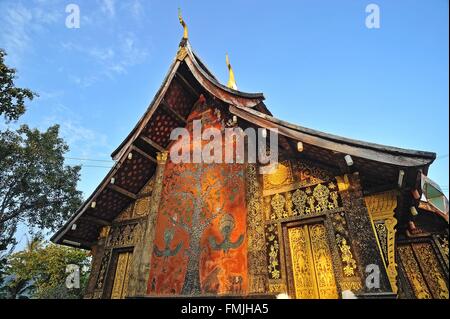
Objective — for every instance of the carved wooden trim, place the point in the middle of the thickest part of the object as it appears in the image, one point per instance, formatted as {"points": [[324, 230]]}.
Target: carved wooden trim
{"points": [[257, 271], [140, 263], [381, 210]]}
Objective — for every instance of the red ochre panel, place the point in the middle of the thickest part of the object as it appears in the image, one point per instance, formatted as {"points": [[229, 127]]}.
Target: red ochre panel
{"points": [[200, 242]]}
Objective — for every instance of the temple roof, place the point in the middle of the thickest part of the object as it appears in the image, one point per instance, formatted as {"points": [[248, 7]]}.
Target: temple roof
{"points": [[204, 77], [187, 79], [371, 151]]}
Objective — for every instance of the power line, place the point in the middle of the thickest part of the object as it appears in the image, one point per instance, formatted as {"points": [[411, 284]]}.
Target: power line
{"points": [[88, 159], [83, 165]]}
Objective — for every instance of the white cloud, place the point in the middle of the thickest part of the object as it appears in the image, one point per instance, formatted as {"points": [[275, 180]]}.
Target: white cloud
{"points": [[113, 60], [15, 34], [136, 9], [109, 7], [82, 141], [131, 53], [20, 24], [84, 81], [101, 54]]}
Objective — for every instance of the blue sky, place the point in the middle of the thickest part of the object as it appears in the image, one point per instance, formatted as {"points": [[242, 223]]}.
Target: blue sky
{"points": [[317, 63]]}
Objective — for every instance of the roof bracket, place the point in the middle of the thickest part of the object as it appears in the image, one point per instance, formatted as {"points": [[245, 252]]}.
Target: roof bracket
{"points": [[172, 112], [186, 84], [95, 220], [152, 143], [122, 191], [143, 153]]}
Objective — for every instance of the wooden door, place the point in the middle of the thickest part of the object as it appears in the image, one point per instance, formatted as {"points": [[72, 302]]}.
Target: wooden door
{"points": [[311, 262], [122, 273]]}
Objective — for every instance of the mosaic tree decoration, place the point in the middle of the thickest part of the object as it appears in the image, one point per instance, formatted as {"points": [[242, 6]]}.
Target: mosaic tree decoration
{"points": [[195, 195]]}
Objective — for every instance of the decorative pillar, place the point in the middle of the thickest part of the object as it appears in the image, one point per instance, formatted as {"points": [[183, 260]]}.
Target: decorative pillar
{"points": [[97, 253], [140, 265], [363, 238], [257, 272], [103, 257], [381, 209]]}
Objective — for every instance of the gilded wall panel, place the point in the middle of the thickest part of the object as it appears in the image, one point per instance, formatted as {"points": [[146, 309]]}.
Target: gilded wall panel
{"points": [[442, 244], [257, 271], [273, 251], [414, 273], [431, 270], [302, 202]]}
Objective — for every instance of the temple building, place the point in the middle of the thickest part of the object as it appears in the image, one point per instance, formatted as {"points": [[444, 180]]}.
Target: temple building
{"points": [[335, 217]]}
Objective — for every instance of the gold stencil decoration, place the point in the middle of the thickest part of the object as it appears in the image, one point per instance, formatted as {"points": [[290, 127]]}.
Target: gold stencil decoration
{"points": [[277, 288], [347, 256], [381, 230], [267, 211], [289, 205], [432, 271], [255, 233], [281, 176], [351, 280], [102, 272], [302, 202], [302, 263], [351, 285], [306, 173], [323, 263], [321, 194], [126, 214], [122, 273], [142, 206], [442, 243], [125, 235], [311, 262], [299, 199], [273, 251], [381, 209], [278, 203], [413, 272]]}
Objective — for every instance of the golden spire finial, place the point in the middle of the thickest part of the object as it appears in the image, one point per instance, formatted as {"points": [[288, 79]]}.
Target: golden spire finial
{"points": [[231, 81], [185, 33]]}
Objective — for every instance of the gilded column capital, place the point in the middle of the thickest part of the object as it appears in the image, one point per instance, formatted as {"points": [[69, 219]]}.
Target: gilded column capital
{"points": [[104, 232], [382, 205], [161, 157], [343, 182]]}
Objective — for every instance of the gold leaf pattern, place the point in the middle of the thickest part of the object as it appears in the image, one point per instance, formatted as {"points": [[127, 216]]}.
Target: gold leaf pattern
{"points": [[311, 262]]}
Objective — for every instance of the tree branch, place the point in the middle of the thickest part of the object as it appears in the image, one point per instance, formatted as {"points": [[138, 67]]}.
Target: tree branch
{"points": [[177, 223]]}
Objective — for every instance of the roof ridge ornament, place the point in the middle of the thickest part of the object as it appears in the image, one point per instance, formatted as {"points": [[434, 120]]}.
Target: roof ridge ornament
{"points": [[231, 80], [183, 24]]}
